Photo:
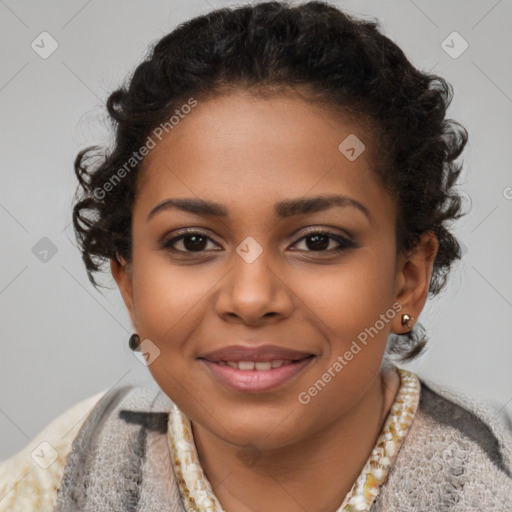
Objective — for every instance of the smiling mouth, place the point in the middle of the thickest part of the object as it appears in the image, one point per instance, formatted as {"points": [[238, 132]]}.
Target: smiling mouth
{"points": [[256, 376], [259, 365]]}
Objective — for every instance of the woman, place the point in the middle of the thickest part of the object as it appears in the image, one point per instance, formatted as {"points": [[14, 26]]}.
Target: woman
{"points": [[275, 212]]}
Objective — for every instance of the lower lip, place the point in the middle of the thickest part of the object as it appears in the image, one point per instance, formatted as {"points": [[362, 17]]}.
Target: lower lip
{"points": [[256, 380]]}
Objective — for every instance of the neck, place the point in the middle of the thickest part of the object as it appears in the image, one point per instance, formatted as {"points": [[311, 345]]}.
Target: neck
{"points": [[314, 474]]}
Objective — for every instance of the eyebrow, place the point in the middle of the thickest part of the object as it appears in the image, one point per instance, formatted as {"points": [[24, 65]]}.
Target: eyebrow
{"points": [[283, 209]]}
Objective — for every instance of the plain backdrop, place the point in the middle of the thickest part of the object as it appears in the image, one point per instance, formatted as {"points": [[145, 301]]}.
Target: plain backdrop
{"points": [[62, 341]]}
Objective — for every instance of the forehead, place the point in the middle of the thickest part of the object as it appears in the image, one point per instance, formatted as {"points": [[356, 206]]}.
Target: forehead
{"points": [[239, 150]]}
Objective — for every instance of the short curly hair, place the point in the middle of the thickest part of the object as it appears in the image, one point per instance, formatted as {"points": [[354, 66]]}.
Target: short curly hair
{"points": [[331, 57]]}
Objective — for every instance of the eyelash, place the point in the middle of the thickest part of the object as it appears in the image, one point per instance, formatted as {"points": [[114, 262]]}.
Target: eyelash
{"points": [[344, 242]]}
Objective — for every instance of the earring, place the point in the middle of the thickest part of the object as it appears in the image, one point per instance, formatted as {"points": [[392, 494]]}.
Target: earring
{"points": [[134, 342], [406, 320]]}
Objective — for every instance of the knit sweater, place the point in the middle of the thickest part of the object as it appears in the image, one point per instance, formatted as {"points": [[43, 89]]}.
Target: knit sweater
{"points": [[456, 457]]}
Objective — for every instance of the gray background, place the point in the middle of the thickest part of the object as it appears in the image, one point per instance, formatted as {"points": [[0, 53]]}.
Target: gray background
{"points": [[62, 341]]}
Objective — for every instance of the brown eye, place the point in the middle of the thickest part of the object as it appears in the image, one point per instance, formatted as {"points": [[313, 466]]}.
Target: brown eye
{"points": [[191, 242], [321, 241], [318, 242]]}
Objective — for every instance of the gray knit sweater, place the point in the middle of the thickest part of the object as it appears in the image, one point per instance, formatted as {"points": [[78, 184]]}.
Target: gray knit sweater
{"points": [[457, 457]]}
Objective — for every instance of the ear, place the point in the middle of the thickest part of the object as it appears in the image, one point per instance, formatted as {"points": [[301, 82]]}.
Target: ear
{"points": [[122, 273], [413, 273]]}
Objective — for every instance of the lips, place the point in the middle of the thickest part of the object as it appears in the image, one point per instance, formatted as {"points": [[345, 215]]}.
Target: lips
{"points": [[263, 353], [255, 369]]}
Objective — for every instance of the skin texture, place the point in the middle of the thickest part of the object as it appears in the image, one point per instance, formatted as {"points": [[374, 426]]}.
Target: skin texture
{"points": [[266, 450]]}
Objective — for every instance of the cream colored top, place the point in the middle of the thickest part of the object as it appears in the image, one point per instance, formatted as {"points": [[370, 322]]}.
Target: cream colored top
{"points": [[29, 479]]}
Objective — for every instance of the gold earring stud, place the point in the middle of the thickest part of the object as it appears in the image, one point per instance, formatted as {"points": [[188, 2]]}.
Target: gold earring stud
{"points": [[406, 320]]}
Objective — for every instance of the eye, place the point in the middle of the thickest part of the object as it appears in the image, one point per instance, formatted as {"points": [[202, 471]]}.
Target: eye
{"points": [[321, 241], [191, 241]]}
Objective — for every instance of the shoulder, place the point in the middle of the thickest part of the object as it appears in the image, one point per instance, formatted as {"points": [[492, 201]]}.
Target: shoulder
{"points": [[30, 478], [457, 455], [121, 455], [480, 426]]}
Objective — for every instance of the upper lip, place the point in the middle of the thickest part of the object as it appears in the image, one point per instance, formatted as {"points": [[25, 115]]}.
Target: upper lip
{"points": [[260, 353]]}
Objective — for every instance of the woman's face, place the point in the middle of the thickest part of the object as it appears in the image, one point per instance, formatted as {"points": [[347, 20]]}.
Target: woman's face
{"points": [[256, 272]]}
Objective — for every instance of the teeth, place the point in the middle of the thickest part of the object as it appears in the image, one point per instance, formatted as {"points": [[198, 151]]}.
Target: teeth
{"points": [[263, 365], [255, 365]]}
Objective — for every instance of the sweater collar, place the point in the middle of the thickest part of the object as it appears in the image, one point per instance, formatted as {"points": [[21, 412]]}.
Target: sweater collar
{"points": [[196, 491]]}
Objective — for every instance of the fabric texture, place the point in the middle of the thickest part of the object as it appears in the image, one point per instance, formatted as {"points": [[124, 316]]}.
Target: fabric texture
{"points": [[120, 460], [195, 489], [30, 478], [456, 457]]}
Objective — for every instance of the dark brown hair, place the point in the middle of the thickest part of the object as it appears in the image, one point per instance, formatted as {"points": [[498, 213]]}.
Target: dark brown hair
{"points": [[314, 48]]}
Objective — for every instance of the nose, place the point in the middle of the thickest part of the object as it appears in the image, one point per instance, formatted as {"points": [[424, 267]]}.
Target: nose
{"points": [[254, 293]]}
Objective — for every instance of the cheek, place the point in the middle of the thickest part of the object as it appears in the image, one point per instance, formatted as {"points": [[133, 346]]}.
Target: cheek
{"points": [[168, 298], [170, 304], [350, 296], [349, 307]]}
